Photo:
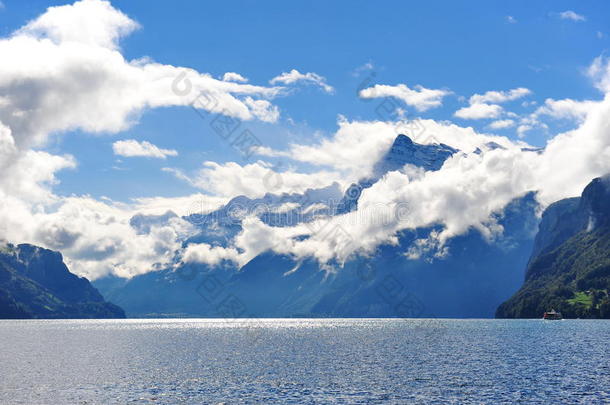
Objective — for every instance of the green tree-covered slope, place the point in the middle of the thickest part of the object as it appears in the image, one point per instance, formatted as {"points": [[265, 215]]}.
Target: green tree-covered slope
{"points": [[570, 267]]}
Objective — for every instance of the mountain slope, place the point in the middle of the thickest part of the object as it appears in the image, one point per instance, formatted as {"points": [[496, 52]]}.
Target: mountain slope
{"points": [[35, 283], [570, 266]]}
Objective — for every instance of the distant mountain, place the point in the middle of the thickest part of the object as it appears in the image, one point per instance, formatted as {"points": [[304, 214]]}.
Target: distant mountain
{"points": [[471, 281], [569, 269], [222, 225], [35, 283]]}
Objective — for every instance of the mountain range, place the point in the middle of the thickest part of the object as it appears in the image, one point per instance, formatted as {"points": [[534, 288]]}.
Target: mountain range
{"points": [[566, 265], [470, 282]]}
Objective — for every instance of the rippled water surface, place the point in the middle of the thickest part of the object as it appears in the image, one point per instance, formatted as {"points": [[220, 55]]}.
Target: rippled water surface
{"points": [[343, 361]]}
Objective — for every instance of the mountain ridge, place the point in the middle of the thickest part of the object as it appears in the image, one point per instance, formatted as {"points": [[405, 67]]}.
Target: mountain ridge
{"points": [[35, 283]]}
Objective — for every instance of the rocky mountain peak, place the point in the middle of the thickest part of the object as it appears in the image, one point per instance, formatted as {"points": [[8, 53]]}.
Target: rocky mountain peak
{"points": [[404, 151]]}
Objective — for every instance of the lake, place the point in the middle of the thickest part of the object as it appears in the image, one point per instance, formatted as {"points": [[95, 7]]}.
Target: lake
{"points": [[304, 361]]}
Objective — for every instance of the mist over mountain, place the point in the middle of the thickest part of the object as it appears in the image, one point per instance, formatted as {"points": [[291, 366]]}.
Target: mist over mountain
{"points": [[402, 152]]}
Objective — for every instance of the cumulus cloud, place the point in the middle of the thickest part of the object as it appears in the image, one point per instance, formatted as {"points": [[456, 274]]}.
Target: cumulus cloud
{"points": [[88, 22], [420, 98], [486, 105], [500, 96], [572, 16], [479, 111], [253, 180], [502, 124], [294, 76], [131, 148], [565, 109]]}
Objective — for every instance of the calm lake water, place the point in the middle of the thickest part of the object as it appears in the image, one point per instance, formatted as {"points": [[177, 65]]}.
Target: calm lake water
{"points": [[305, 361]]}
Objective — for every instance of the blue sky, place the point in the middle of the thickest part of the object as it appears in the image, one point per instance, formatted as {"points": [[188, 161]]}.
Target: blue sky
{"points": [[465, 48]]}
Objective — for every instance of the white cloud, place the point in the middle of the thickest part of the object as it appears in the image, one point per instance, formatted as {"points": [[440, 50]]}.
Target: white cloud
{"points": [[294, 76], [486, 105], [94, 236], [262, 109], [182, 206], [234, 77], [511, 19], [523, 129], [502, 124], [565, 109], [88, 22], [420, 98], [500, 96], [571, 15], [204, 253], [599, 72], [131, 148], [352, 150], [479, 111], [253, 180]]}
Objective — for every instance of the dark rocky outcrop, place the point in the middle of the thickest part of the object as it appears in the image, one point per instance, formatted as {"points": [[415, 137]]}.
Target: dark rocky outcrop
{"points": [[35, 283]]}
